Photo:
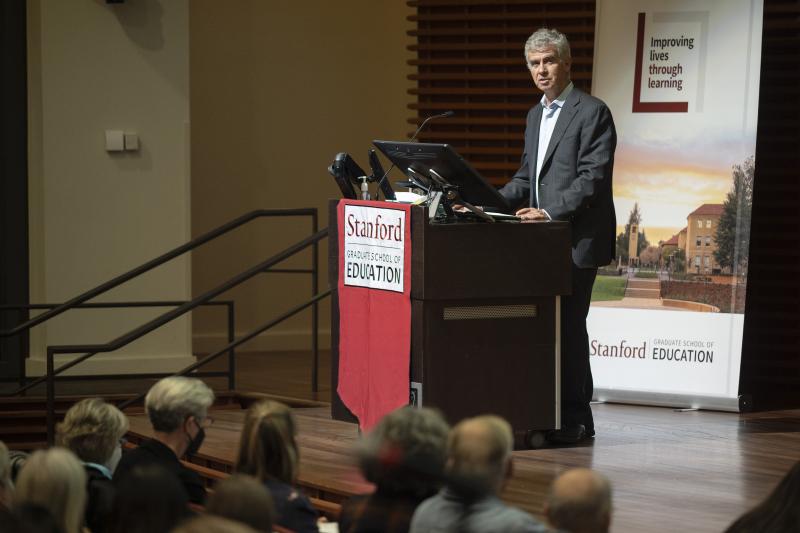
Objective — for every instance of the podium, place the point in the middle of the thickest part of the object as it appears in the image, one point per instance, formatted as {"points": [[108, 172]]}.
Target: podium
{"points": [[485, 320]]}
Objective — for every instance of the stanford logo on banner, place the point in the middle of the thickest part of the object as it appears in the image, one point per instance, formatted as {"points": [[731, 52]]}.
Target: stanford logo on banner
{"points": [[374, 290], [374, 247]]}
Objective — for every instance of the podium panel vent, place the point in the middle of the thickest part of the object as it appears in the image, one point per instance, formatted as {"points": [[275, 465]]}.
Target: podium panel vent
{"points": [[482, 312]]}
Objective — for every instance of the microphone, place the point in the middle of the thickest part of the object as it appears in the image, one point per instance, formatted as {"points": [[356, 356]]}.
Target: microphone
{"points": [[446, 114], [413, 138]]}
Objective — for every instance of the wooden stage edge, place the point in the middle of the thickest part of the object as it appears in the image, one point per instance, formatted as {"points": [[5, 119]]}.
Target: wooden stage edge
{"points": [[670, 470]]}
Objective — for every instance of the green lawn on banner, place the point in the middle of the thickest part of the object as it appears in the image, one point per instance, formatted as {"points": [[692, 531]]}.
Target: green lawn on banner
{"points": [[608, 288]]}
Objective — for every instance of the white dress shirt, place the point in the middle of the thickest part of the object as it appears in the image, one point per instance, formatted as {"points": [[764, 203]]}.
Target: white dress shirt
{"points": [[546, 126]]}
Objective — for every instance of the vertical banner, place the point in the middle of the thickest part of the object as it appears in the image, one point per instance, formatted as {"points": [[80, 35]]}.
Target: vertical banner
{"points": [[374, 307], [681, 78]]}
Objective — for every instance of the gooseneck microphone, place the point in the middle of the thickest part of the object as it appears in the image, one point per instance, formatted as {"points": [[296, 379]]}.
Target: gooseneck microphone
{"points": [[446, 114], [413, 138]]}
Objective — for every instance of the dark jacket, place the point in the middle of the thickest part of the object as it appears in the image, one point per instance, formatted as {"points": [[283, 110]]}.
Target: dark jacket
{"points": [[292, 508], [575, 179], [100, 491], [154, 452]]}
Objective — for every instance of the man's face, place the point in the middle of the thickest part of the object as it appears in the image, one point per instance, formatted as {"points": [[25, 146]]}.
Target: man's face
{"points": [[549, 72]]}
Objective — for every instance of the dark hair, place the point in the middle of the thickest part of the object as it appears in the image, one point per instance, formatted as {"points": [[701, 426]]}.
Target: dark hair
{"points": [[244, 499], [151, 500], [779, 512]]}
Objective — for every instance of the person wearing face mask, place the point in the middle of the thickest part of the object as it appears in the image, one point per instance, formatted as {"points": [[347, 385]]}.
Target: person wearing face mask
{"points": [[93, 429], [178, 411]]}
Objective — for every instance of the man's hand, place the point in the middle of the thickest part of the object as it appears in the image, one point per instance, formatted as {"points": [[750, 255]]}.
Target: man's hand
{"points": [[531, 214]]}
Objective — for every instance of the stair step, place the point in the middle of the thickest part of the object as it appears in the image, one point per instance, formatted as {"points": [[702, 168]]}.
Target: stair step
{"points": [[642, 293], [27, 445], [643, 284], [32, 429]]}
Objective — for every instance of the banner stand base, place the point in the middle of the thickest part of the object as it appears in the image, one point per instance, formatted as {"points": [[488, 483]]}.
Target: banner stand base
{"points": [[738, 404]]}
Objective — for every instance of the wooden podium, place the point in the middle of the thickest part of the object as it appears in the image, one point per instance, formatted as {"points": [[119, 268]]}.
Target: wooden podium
{"points": [[484, 321]]}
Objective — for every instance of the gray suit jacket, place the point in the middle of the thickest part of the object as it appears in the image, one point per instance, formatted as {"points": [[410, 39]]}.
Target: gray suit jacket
{"points": [[575, 180]]}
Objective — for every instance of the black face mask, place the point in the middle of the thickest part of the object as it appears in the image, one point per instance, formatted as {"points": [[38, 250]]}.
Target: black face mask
{"points": [[196, 442]]}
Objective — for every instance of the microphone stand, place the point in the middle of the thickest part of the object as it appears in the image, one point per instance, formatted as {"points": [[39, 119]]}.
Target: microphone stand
{"points": [[413, 138]]}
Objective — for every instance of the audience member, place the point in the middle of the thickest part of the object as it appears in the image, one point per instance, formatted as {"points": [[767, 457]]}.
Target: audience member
{"points": [[478, 467], [244, 499], [16, 459], [177, 408], [778, 513], [55, 480], [93, 430], [404, 456], [151, 500], [580, 502], [6, 485], [212, 524], [268, 452], [28, 518]]}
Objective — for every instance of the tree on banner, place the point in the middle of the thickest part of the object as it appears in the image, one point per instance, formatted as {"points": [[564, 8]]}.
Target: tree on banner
{"points": [[733, 232]]}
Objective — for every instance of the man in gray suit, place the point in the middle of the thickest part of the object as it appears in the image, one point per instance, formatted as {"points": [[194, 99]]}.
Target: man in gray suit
{"points": [[566, 175]]}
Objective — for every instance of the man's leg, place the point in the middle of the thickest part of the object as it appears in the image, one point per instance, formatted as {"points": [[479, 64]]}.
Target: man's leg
{"points": [[576, 373]]}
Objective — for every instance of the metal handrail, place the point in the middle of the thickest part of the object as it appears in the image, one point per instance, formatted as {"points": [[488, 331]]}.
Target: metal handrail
{"points": [[229, 304], [90, 350], [238, 342], [158, 261]]}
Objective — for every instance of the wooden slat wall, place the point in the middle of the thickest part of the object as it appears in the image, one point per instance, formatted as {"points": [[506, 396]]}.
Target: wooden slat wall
{"points": [[470, 59], [771, 350]]}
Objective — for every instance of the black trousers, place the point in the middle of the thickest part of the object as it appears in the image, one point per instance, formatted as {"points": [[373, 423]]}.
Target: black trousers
{"points": [[576, 373]]}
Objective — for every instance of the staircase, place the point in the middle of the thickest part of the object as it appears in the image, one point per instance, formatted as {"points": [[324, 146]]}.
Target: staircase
{"points": [[643, 288]]}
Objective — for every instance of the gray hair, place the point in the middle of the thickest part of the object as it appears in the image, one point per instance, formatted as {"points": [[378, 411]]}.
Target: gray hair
{"points": [[170, 401], [91, 429], [479, 451], [406, 451], [56, 480], [546, 38], [580, 500]]}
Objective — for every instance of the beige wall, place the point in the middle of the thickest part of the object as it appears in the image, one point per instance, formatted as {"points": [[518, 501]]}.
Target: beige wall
{"points": [[94, 215], [277, 89]]}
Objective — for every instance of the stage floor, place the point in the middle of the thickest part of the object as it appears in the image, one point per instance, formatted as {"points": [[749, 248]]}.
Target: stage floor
{"points": [[670, 470]]}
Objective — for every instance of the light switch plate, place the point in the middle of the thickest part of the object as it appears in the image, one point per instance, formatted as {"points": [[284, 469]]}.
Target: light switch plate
{"points": [[131, 141], [115, 141]]}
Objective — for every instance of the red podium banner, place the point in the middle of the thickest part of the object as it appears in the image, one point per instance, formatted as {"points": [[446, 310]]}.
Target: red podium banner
{"points": [[374, 307]]}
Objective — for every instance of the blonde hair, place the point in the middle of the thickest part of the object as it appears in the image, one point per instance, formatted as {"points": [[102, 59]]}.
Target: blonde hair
{"points": [[55, 480], [91, 429], [267, 448]]}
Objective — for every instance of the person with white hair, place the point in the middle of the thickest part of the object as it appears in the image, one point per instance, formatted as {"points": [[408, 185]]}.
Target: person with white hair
{"points": [[55, 480], [178, 411], [93, 430]]}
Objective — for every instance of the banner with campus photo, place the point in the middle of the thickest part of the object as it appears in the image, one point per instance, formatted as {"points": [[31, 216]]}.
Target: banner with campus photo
{"points": [[681, 78]]}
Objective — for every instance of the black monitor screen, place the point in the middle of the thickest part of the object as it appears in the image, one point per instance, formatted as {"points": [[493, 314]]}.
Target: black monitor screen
{"points": [[447, 163]]}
